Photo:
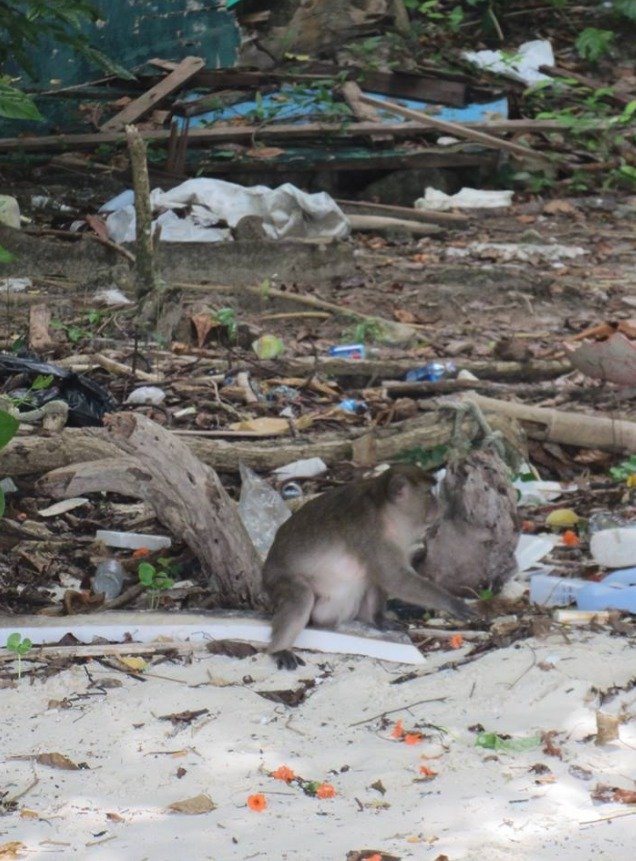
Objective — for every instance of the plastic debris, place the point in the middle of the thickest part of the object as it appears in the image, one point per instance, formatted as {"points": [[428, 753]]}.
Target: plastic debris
{"points": [[111, 297], [109, 578], [261, 509], [616, 592], [15, 285], [307, 468], [8, 485], [562, 518], [291, 490], [431, 372], [550, 591], [285, 211], [538, 492], [466, 198], [614, 548], [63, 506], [147, 395], [523, 65], [531, 549], [348, 351], [88, 402], [9, 211], [524, 252], [132, 540]]}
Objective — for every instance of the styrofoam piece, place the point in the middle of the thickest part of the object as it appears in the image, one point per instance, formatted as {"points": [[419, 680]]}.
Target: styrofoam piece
{"points": [[540, 492], [465, 198], [532, 548], [132, 540], [614, 548], [306, 468], [63, 506], [145, 628], [524, 64], [146, 395], [550, 591]]}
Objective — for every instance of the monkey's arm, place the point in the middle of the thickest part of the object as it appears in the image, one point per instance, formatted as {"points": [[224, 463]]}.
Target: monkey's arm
{"points": [[403, 582]]}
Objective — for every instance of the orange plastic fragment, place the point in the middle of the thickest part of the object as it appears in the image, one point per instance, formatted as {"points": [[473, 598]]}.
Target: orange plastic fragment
{"points": [[283, 773], [257, 802], [398, 730], [456, 641], [570, 538], [325, 790]]}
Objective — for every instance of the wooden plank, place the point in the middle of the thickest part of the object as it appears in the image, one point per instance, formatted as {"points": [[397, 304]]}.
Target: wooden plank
{"points": [[455, 219], [173, 81], [280, 133], [351, 93], [460, 131]]}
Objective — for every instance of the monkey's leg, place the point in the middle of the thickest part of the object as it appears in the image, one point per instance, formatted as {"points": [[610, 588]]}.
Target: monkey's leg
{"points": [[407, 585], [292, 614], [372, 610]]}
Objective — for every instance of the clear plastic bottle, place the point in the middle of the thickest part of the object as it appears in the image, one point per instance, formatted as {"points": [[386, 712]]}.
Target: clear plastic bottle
{"points": [[109, 578]]}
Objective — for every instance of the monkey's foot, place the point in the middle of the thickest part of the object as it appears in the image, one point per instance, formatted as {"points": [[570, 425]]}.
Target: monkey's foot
{"points": [[287, 660], [461, 610]]}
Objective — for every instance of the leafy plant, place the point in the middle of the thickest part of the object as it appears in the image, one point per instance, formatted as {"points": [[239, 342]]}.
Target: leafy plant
{"points": [[227, 318], [624, 470], [155, 580], [19, 646], [366, 331], [41, 382], [592, 43], [16, 105]]}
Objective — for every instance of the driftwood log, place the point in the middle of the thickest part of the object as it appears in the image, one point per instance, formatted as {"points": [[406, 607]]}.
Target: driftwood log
{"points": [[186, 495], [37, 455]]}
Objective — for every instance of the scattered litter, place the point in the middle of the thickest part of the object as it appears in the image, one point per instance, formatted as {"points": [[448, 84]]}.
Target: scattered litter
{"points": [[538, 492], [268, 347], [614, 548], [431, 371], [146, 395], [8, 485], [207, 204], [532, 549], [9, 211], [466, 198], [525, 252], [88, 402], [617, 591], [111, 297], [15, 285], [550, 591], [109, 578], [291, 490], [261, 509], [348, 351], [63, 506], [522, 64], [351, 405], [132, 540], [307, 468]]}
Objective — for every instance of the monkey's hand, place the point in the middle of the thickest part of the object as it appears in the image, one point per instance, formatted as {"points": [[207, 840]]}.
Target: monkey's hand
{"points": [[287, 660]]}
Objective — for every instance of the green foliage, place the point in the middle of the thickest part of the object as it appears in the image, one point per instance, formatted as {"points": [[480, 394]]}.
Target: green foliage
{"points": [[5, 256], [227, 318], [8, 428], [624, 470], [16, 105], [592, 43], [19, 646], [366, 331], [155, 580], [494, 741], [25, 25], [626, 8], [426, 458]]}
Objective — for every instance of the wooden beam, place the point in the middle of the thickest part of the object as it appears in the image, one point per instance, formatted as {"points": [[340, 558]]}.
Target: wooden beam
{"points": [[138, 108], [458, 130], [280, 133]]}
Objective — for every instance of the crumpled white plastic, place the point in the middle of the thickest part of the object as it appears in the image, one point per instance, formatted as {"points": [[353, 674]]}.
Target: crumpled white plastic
{"points": [[285, 211], [466, 198]]}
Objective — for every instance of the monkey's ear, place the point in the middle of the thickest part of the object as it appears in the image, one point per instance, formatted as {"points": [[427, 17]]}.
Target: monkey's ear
{"points": [[398, 487]]}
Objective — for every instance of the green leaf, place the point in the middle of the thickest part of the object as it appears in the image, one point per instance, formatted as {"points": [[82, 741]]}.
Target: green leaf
{"points": [[42, 381], [5, 256], [13, 641], [16, 105], [146, 573], [8, 428]]}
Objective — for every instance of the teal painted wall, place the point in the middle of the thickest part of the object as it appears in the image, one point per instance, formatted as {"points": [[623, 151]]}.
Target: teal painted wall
{"points": [[133, 31]]}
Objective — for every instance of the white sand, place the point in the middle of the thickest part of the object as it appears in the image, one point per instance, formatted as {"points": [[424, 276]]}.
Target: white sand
{"points": [[481, 805]]}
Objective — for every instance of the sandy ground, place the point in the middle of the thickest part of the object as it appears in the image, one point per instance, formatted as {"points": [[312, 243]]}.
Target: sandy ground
{"points": [[483, 804]]}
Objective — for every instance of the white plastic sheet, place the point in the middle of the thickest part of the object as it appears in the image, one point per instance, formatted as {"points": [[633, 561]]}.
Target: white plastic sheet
{"points": [[522, 64], [202, 210]]}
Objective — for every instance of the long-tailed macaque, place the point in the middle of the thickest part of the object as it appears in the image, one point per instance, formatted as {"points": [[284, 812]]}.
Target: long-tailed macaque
{"points": [[345, 552]]}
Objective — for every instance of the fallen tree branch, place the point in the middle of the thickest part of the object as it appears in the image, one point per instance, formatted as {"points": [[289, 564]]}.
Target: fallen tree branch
{"points": [[186, 495]]}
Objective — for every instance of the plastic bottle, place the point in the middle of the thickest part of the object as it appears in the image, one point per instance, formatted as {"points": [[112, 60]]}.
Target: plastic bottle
{"points": [[550, 591], [616, 592], [614, 548], [430, 372], [109, 578]]}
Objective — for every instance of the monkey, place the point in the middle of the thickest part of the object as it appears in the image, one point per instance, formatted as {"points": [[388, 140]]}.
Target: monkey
{"points": [[344, 553]]}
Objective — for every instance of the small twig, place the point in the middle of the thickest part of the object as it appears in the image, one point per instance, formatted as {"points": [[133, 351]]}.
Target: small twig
{"points": [[400, 709]]}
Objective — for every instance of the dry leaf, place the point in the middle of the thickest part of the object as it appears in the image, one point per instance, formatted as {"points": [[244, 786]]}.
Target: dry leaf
{"points": [[606, 728], [264, 152], [203, 324], [56, 760], [404, 316], [193, 806], [559, 207], [613, 360], [25, 813], [14, 849], [114, 817]]}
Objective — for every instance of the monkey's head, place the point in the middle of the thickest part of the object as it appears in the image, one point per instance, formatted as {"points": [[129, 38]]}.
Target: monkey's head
{"points": [[409, 489]]}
